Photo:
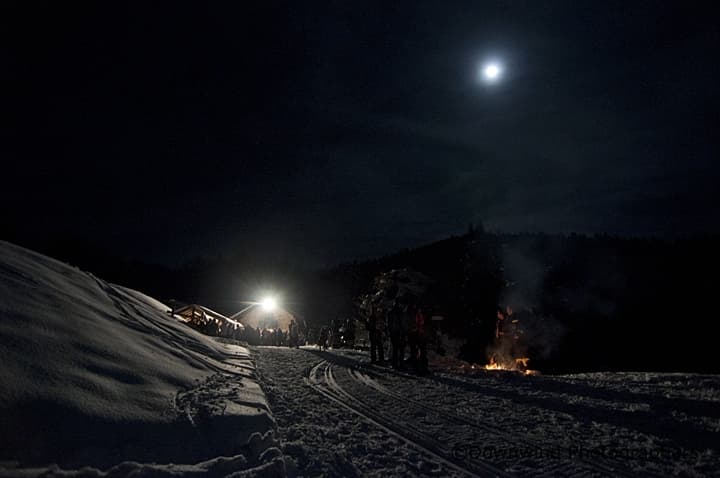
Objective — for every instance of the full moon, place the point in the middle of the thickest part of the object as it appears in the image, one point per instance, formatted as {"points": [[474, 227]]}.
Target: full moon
{"points": [[491, 72]]}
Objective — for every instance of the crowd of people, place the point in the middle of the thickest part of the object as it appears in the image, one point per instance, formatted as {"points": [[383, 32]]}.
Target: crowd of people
{"points": [[398, 323], [340, 333], [404, 325], [255, 335], [274, 337], [220, 328]]}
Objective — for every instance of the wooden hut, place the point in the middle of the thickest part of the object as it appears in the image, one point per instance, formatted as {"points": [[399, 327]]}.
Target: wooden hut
{"points": [[208, 321]]}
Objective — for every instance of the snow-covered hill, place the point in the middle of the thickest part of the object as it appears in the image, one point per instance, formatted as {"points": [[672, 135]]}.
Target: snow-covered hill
{"points": [[92, 374]]}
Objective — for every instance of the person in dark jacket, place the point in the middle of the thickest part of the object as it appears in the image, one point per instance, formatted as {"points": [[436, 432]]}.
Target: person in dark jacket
{"points": [[412, 335], [293, 335], [396, 328], [376, 326], [323, 340], [421, 364]]}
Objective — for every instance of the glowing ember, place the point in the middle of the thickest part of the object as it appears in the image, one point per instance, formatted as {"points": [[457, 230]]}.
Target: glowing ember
{"points": [[493, 365]]}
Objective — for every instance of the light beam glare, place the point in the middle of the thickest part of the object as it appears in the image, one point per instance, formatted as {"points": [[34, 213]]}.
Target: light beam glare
{"points": [[268, 304]]}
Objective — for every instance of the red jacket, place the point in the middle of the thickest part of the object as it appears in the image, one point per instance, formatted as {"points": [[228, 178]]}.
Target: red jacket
{"points": [[420, 322]]}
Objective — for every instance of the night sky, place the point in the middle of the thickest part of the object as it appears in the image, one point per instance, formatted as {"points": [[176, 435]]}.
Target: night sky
{"points": [[324, 131]]}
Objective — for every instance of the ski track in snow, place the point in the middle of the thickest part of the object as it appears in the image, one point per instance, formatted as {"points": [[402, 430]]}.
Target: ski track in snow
{"points": [[339, 415], [323, 437]]}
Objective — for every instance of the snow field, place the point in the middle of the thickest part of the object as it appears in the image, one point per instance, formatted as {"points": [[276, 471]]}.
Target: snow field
{"points": [[631, 424]]}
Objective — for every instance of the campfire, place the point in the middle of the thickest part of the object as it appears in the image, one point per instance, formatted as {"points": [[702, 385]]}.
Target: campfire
{"points": [[506, 352], [511, 365]]}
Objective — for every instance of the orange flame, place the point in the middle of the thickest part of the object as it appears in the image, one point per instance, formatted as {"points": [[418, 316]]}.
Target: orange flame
{"points": [[516, 365]]}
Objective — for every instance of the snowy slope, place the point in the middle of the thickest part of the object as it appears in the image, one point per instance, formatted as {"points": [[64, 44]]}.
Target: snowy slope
{"points": [[95, 375]]}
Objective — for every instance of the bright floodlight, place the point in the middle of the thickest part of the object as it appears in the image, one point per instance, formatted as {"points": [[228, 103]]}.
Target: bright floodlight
{"points": [[268, 304], [491, 72]]}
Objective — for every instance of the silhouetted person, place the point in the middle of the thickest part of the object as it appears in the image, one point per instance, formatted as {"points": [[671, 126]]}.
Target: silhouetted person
{"points": [[421, 342], [376, 325], [323, 341], [411, 337], [293, 340], [396, 327], [505, 336], [500, 325], [349, 331]]}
